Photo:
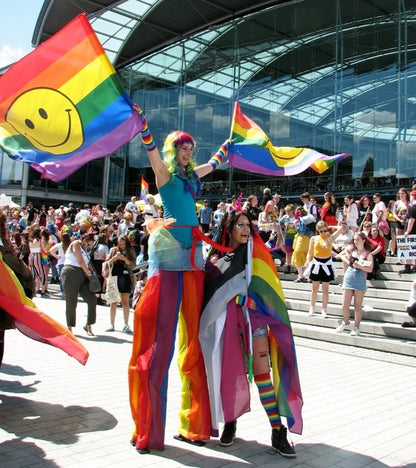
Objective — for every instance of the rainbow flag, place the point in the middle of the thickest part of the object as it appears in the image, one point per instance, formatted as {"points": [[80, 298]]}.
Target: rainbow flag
{"points": [[144, 190], [253, 151], [31, 321], [63, 105]]}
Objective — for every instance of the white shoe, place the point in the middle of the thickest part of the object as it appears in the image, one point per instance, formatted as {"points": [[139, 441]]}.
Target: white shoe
{"points": [[355, 332], [341, 328], [324, 313], [311, 311]]}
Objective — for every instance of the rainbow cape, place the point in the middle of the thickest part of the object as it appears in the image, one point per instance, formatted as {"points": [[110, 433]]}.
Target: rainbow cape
{"points": [[253, 151], [31, 321], [63, 105], [222, 327], [144, 190]]}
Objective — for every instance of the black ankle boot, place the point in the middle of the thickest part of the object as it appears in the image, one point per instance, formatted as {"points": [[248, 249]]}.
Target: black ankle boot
{"points": [[228, 434], [281, 444]]}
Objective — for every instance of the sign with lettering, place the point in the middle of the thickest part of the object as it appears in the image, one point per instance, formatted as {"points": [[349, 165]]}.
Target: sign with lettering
{"points": [[406, 247]]}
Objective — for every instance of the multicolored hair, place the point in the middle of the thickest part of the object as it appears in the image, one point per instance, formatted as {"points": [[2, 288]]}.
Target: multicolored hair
{"points": [[170, 151]]}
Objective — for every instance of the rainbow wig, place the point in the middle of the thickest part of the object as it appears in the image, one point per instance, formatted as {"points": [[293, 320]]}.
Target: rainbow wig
{"points": [[169, 153]]}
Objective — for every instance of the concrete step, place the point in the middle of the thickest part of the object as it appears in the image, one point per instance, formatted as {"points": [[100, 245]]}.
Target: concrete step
{"points": [[365, 340]]}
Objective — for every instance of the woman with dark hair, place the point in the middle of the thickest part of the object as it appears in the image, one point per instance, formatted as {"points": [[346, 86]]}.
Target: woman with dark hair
{"points": [[173, 295], [36, 264], [365, 208], [330, 209], [245, 315], [359, 262], [351, 213], [75, 273], [120, 262]]}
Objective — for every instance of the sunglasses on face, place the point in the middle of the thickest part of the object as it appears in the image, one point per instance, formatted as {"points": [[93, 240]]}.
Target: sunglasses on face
{"points": [[323, 230]]}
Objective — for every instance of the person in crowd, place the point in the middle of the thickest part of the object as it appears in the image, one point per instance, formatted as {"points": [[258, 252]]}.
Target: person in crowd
{"points": [[58, 251], [330, 210], [379, 212], [391, 249], [150, 209], [359, 262], [32, 214], [400, 209], [366, 228], [305, 228], [345, 237], [267, 221], [252, 208], [239, 319], [319, 266], [74, 276], [378, 251], [287, 223], [36, 265], [24, 249], [133, 208], [410, 230], [125, 224], [120, 262], [308, 206], [365, 210], [411, 308], [279, 204], [205, 217], [173, 294], [42, 216], [98, 256], [219, 213], [351, 213], [267, 196]]}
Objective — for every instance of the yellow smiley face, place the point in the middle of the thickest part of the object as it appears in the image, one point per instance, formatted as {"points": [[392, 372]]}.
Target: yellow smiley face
{"points": [[285, 156], [48, 119]]}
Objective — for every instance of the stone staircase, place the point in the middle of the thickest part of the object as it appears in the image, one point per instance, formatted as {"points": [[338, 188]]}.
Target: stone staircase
{"points": [[384, 311]]}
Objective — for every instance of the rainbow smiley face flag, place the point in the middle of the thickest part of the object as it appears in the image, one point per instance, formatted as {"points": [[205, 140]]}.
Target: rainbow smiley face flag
{"points": [[253, 151], [63, 105]]}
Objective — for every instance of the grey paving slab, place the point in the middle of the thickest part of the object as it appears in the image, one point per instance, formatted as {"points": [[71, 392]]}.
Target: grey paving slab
{"points": [[359, 408]]}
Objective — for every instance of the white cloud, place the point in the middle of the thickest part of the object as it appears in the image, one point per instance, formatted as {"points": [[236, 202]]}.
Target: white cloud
{"points": [[8, 55]]}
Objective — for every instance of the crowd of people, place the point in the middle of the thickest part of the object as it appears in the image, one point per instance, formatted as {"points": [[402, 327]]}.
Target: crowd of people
{"points": [[173, 272]]}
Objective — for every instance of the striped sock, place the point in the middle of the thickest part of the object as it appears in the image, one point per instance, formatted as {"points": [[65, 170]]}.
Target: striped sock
{"points": [[147, 138], [217, 158], [268, 399]]}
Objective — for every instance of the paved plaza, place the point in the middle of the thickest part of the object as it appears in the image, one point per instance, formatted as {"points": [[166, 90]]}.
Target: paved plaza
{"points": [[359, 407]]}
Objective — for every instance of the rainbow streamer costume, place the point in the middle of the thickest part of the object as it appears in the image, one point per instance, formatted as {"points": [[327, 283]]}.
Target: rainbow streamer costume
{"points": [[32, 322], [173, 294], [250, 273]]}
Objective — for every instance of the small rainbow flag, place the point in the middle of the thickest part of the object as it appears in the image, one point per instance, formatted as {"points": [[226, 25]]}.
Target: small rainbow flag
{"points": [[144, 190], [253, 151], [63, 105]]}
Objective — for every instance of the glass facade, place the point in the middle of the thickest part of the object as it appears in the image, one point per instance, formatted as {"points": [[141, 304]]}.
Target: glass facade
{"points": [[341, 83], [337, 76]]}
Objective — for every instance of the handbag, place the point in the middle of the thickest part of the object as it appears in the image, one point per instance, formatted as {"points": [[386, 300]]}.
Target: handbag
{"points": [[94, 283], [384, 226], [112, 293]]}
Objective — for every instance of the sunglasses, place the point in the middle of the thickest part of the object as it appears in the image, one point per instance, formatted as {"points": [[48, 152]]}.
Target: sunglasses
{"points": [[323, 230]]}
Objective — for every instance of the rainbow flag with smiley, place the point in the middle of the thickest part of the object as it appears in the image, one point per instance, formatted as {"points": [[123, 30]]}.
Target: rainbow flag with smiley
{"points": [[253, 151], [63, 104]]}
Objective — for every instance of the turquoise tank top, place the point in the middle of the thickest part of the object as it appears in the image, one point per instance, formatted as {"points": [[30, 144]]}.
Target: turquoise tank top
{"points": [[179, 203]]}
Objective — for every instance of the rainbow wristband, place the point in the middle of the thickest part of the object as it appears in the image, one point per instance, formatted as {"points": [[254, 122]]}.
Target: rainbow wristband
{"points": [[147, 138], [217, 158], [245, 301]]}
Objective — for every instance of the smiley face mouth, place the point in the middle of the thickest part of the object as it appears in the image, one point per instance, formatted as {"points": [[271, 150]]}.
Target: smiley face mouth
{"points": [[68, 134]]}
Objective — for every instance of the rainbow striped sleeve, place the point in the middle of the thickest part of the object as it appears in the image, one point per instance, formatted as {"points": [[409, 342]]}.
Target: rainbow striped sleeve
{"points": [[63, 104]]}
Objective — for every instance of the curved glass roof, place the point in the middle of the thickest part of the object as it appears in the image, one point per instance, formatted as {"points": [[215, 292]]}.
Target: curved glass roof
{"points": [[304, 58]]}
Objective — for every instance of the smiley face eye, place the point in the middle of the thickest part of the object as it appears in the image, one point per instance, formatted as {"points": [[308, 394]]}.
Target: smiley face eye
{"points": [[43, 113], [29, 124]]}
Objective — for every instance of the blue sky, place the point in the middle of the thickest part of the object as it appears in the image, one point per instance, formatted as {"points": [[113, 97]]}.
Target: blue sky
{"points": [[18, 21]]}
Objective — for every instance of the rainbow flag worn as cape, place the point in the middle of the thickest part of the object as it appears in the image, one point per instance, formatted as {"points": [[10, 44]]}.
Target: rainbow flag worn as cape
{"points": [[144, 190], [253, 151], [31, 321], [63, 105]]}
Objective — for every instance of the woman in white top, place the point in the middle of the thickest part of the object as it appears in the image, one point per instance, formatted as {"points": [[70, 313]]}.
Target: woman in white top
{"points": [[74, 278], [58, 251], [351, 213]]}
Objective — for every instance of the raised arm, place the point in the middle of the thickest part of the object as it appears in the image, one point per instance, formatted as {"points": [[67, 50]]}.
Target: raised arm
{"points": [[215, 160], [159, 167]]}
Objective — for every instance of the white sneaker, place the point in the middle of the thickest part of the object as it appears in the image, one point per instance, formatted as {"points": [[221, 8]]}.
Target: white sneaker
{"points": [[355, 332], [311, 311], [341, 328], [324, 313]]}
